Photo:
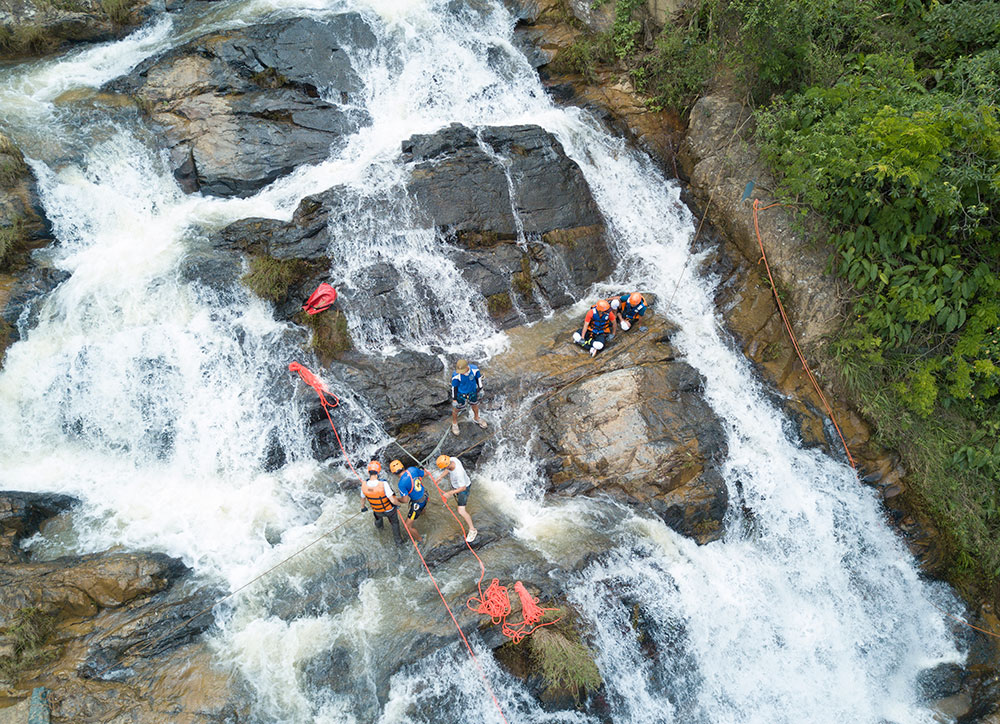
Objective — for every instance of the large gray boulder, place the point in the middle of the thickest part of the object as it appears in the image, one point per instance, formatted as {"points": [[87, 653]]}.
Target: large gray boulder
{"points": [[541, 246], [240, 108]]}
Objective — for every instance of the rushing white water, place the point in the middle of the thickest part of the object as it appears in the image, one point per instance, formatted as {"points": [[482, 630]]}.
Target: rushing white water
{"points": [[156, 402]]}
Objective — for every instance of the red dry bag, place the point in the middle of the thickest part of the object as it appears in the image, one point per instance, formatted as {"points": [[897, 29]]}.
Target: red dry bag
{"points": [[321, 300]]}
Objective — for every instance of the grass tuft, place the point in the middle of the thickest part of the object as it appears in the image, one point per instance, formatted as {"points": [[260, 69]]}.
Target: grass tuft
{"points": [[10, 237], [269, 78], [119, 12], [522, 281], [22, 642], [25, 40], [271, 278], [498, 304], [564, 661]]}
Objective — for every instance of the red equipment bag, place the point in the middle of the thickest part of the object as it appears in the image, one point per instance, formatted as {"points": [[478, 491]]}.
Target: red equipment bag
{"points": [[321, 300]]}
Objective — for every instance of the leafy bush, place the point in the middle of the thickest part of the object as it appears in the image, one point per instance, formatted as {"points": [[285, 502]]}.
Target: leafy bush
{"points": [[909, 181]]}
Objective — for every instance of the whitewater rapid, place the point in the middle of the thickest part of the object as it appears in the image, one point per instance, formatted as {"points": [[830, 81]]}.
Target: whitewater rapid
{"points": [[155, 400]]}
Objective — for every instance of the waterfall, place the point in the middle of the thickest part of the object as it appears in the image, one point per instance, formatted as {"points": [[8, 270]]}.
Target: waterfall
{"points": [[155, 400]]}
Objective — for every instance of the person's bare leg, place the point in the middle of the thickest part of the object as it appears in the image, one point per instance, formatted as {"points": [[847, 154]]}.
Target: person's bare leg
{"points": [[411, 528], [454, 420], [475, 416], [462, 512]]}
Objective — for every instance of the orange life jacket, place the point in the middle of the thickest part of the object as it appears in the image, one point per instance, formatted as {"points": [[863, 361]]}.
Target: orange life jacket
{"points": [[375, 495]]}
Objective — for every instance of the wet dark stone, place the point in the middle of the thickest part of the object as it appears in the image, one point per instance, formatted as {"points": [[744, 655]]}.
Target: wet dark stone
{"points": [[22, 513], [20, 311], [239, 108]]}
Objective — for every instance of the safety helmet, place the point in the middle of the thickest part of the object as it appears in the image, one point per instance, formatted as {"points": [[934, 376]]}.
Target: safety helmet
{"points": [[603, 306], [395, 466], [635, 300], [374, 466], [443, 461]]}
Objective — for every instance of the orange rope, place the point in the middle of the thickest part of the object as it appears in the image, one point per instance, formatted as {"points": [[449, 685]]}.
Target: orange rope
{"points": [[791, 335], [320, 389], [805, 365]]}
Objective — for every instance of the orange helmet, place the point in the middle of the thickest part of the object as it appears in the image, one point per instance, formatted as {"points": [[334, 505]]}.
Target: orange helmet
{"points": [[395, 466], [443, 461], [374, 466], [635, 300], [603, 306]]}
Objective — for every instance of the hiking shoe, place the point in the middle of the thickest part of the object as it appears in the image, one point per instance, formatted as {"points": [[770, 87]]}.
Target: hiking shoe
{"points": [[454, 428], [481, 423], [471, 536], [593, 351]]}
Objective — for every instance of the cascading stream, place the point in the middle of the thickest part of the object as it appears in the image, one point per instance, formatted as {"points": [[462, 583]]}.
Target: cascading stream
{"points": [[156, 402]]}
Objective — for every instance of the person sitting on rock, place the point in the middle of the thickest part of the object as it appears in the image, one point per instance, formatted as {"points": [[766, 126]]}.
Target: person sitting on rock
{"points": [[377, 493], [466, 386], [460, 488], [629, 308], [411, 487], [599, 327]]}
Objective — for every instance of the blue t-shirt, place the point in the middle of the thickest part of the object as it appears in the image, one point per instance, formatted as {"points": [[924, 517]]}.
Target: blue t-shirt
{"points": [[630, 311], [411, 483], [466, 384]]}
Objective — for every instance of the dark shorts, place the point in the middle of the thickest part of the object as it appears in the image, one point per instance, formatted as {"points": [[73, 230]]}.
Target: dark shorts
{"points": [[463, 497], [462, 400], [417, 507], [601, 337]]}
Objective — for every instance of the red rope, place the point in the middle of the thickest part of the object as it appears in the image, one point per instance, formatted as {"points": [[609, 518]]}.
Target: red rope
{"points": [[791, 335], [310, 379], [495, 602]]}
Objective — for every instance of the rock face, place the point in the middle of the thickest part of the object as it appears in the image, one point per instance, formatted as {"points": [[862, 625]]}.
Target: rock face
{"points": [[111, 634], [23, 227], [34, 27], [629, 423], [240, 108], [461, 185], [720, 165], [20, 516]]}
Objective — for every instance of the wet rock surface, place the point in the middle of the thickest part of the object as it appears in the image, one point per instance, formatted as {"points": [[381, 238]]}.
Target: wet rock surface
{"points": [[111, 634], [630, 423], [240, 108]]}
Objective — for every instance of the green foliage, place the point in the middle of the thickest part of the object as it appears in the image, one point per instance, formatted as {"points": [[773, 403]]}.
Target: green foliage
{"points": [[330, 334], [498, 304], [12, 165], [269, 78], [626, 27], [960, 28], [522, 280], [24, 638], [583, 56], [676, 72], [270, 278], [909, 181]]}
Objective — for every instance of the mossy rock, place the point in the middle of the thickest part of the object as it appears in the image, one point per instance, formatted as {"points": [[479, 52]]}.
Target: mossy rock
{"points": [[499, 304], [22, 643], [271, 278], [522, 281], [330, 335]]}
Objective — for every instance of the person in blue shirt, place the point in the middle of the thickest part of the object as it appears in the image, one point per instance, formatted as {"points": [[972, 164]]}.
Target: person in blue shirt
{"points": [[411, 489], [629, 307], [466, 386]]}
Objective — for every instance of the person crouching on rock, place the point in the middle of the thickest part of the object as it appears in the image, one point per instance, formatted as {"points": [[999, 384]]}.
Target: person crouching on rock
{"points": [[460, 489], [629, 308], [379, 496], [466, 386], [411, 487], [599, 327]]}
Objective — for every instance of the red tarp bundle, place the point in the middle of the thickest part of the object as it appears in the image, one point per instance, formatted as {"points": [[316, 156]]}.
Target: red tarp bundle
{"points": [[321, 300]]}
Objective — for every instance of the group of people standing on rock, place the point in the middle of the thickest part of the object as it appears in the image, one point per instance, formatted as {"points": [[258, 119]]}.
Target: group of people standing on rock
{"points": [[601, 323], [599, 327], [378, 493]]}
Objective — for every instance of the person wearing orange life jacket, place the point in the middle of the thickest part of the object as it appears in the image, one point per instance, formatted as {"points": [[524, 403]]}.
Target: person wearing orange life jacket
{"points": [[460, 484], [599, 327], [378, 494], [629, 308]]}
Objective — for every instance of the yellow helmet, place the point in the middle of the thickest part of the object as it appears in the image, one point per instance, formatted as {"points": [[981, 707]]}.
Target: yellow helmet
{"points": [[443, 461], [395, 466]]}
